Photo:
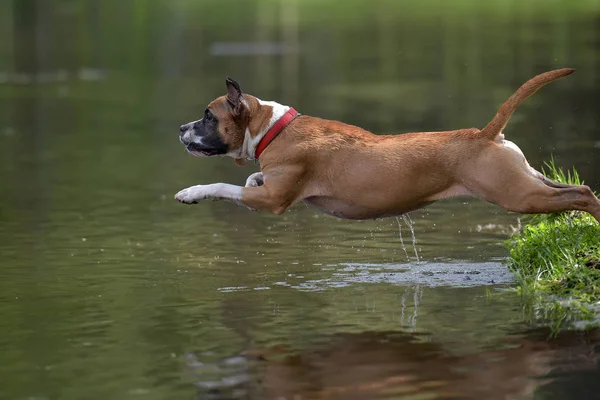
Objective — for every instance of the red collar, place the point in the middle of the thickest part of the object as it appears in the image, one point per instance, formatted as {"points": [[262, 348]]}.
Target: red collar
{"points": [[274, 131]]}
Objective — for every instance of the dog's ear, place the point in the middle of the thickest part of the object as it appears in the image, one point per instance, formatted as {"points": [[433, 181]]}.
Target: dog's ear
{"points": [[235, 97]]}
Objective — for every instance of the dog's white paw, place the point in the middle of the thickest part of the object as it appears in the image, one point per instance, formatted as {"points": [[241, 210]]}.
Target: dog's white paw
{"points": [[191, 195], [256, 179]]}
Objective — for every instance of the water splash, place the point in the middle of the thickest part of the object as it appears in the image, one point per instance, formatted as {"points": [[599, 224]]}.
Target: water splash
{"points": [[401, 240], [408, 221]]}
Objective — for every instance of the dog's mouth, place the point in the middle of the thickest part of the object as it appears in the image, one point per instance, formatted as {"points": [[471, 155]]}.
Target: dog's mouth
{"points": [[203, 145], [200, 151]]}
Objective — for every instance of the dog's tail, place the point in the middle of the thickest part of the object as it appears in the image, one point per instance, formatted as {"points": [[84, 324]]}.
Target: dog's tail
{"points": [[496, 125]]}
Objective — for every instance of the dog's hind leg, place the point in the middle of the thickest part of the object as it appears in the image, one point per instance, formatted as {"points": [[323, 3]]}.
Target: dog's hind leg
{"points": [[515, 186], [553, 184], [533, 196]]}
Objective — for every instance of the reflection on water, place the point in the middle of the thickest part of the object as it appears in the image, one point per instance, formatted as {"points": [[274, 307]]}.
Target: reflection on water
{"points": [[399, 365], [110, 289]]}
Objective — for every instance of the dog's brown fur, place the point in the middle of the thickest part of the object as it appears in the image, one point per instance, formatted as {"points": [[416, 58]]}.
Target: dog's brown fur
{"points": [[351, 173]]}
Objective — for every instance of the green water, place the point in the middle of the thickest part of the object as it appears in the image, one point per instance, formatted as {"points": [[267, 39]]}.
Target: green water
{"points": [[110, 289]]}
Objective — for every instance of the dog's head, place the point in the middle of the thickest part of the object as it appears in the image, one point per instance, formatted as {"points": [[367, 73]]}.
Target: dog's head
{"points": [[232, 125]]}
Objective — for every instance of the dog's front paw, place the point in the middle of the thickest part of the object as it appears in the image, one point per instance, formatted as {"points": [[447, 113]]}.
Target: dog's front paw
{"points": [[190, 195], [255, 180]]}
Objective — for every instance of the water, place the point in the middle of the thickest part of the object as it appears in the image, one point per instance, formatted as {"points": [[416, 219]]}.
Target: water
{"points": [[408, 221], [401, 239], [111, 289]]}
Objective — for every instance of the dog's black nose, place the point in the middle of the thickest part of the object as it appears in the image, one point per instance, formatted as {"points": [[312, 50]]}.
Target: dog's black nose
{"points": [[183, 128]]}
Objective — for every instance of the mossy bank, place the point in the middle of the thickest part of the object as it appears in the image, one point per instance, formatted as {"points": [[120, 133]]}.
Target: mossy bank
{"points": [[558, 254]]}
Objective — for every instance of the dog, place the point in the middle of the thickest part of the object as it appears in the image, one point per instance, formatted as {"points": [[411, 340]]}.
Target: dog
{"points": [[350, 173]]}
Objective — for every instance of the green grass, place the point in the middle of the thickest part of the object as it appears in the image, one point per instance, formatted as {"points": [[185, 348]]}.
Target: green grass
{"points": [[558, 254]]}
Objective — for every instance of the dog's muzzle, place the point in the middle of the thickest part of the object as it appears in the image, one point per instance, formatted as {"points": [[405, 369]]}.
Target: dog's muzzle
{"points": [[201, 142], [186, 127], [193, 144], [187, 134], [183, 129]]}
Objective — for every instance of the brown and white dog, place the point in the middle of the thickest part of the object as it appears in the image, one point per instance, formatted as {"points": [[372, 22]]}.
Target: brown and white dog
{"points": [[350, 173]]}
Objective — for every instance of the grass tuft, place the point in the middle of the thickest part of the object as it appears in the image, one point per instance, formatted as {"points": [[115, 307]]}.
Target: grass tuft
{"points": [[558, 254]]}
